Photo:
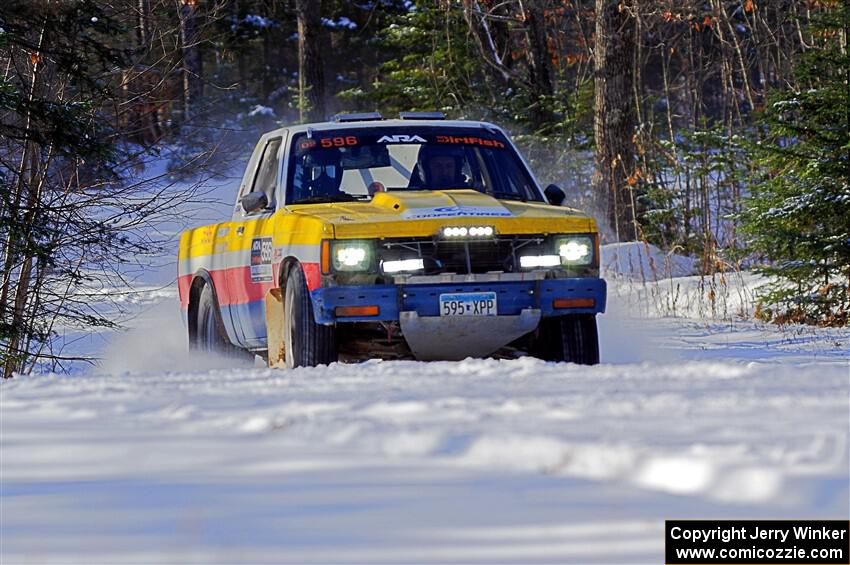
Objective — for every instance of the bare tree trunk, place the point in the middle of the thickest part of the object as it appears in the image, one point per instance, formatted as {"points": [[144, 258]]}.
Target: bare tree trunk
{"points": [[143, 22], [539, 78], [241, 59], [193, 86], [137, 109], [614, 116], [26, 183], [486, 36], [21, 324], [268, 84], [311, 77]]}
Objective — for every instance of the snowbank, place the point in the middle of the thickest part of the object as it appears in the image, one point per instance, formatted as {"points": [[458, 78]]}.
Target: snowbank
{"points": [[644, 281], [643, 261]]}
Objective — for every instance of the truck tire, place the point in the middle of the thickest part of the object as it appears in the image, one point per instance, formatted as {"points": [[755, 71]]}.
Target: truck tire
{"points": [[208, 336], [209, 331], [573, 339], [306, 343]]}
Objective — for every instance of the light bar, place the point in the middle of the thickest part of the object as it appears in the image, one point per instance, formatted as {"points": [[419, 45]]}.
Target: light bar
{"points": [[358, 117], [422, 115], [533, 261], [403, 265], [471, 231]]}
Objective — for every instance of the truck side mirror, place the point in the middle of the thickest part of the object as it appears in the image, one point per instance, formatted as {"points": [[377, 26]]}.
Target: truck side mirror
{"points": [[254, 201], [555, 194]]}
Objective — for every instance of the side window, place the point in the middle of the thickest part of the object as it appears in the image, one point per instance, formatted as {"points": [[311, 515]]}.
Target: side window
{"points": [[513, 181], [519, 182], [266, 177]]}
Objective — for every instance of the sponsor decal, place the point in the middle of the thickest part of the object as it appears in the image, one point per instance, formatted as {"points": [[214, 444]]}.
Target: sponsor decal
{"points": [[470, 141], [261, 259], [401, 138], [206, 235], [306, 145], [455, 212], [326, 143]]}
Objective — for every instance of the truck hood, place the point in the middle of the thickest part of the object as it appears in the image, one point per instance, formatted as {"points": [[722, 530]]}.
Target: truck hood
{"points": [[422, 212]]}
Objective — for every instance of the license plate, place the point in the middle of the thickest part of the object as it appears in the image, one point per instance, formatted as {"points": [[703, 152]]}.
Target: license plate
{"points": [[468, 304]]}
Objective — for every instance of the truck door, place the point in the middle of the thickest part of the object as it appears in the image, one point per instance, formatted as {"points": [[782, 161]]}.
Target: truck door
{"points": [[251, 241]]}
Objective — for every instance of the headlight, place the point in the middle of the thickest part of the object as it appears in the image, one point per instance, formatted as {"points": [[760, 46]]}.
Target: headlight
{"points": [[575, 250], [352, 256], [567, 251]]}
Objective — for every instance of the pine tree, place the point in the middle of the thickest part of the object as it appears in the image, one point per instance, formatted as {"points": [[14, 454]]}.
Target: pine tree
{"points": [[798, 218]]}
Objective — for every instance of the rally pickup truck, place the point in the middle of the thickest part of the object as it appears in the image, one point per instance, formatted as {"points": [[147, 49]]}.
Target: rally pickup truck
{"points": [[410, 238]]}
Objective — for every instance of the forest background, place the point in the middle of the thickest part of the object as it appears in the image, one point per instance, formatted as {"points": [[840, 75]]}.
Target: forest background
{"points": [[718, 129]]}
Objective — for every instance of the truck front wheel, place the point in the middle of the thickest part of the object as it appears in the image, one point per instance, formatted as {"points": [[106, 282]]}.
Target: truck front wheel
{"points": [[306, 343], [572, 338]]}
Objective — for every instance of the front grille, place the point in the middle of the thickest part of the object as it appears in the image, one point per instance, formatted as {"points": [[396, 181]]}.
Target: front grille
{"points": [[462, 257], [482, 256]]}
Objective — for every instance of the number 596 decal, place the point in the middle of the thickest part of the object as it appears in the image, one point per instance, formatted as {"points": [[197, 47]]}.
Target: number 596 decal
{"points": [[338, 141]]}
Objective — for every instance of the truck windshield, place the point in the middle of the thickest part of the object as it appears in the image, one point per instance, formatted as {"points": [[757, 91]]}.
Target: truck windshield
{"points": [[354, 164]]}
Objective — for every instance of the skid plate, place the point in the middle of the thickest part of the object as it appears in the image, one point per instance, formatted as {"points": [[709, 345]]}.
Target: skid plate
{"points": [[453, 338]]}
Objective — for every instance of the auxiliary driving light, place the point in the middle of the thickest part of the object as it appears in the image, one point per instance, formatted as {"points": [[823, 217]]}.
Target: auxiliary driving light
{"points": [[403, 265], [474, 231], [534, 261]]}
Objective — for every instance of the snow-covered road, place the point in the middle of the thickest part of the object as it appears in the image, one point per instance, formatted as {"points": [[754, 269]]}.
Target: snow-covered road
{"points": [[478, 461]]}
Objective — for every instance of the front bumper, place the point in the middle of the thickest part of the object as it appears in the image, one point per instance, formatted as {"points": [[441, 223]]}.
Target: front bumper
{"points": [[423, 298]]}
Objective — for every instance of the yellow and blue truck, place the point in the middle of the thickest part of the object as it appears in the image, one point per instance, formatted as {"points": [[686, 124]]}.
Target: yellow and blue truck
{"points": [[415, 237]]}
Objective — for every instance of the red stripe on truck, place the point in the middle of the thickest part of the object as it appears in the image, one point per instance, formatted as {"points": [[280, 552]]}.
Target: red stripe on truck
{"points": [[183, 284], [234, 285], [312, 272]]}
